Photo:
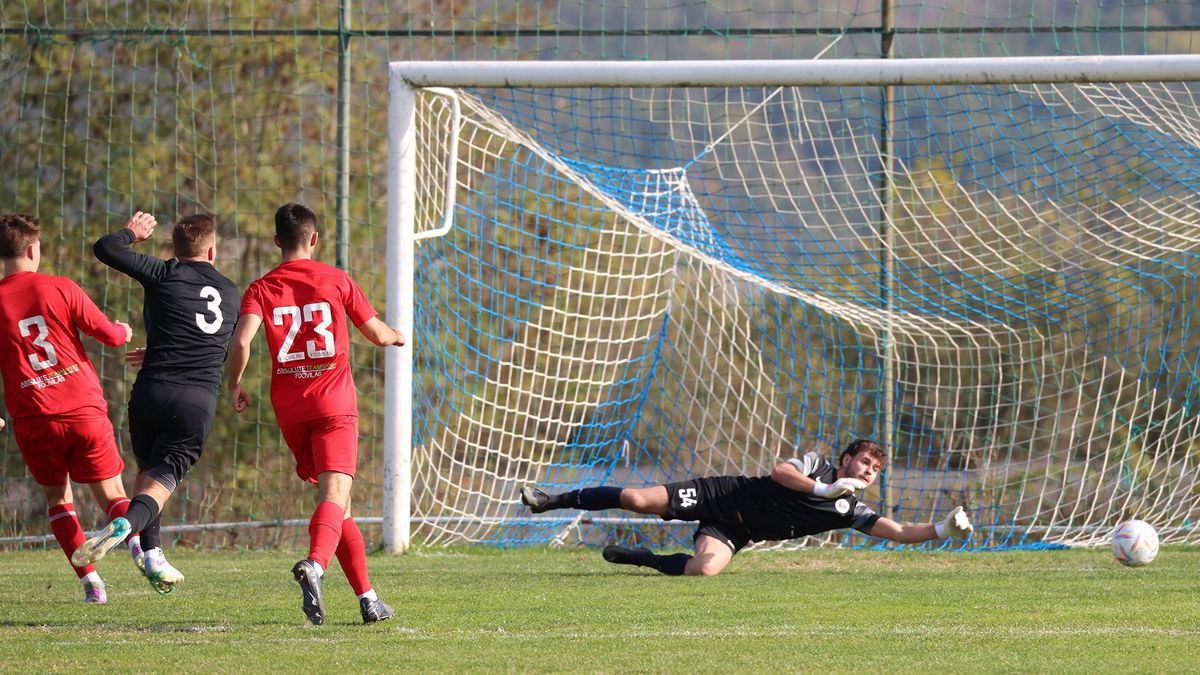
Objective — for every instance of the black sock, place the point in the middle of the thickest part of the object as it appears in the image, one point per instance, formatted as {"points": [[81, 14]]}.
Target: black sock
{"points": [[671, 565], [589, 499], [142, 510], [150, 534]]}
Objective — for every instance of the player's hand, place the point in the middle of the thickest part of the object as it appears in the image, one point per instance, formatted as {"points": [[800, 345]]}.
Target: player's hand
{"points": [[134, 358], [956, 524], [1, 422], [399, 340], [142, 225], [128, 332], [241, 398], [838, 488]]}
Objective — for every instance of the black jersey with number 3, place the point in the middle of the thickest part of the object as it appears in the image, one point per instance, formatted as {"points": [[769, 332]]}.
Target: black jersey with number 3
{"points": [[190, 312]]}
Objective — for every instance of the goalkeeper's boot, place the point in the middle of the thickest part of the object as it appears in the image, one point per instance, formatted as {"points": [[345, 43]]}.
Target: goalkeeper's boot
{"points": [[95, 593], [98, 546], [375, 610], [535, 499], [623, 555], [308, 574], [162, 575]]}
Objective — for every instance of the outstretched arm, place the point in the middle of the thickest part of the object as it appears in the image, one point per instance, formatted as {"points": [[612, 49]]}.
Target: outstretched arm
{"points": [[88, 317], [381, 334], [239, 356], [787, 475], [956, 524], [113, 250]]}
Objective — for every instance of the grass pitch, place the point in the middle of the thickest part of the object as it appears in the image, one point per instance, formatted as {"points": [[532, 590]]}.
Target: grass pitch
{"points": [[543, 610]]}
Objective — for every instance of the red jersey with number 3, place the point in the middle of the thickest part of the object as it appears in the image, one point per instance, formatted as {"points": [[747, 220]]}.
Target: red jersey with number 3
{"points": [[45, 368], [304, 305]]}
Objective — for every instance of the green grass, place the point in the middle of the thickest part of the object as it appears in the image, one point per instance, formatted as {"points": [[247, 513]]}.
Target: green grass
{"points": [[566, 610]]}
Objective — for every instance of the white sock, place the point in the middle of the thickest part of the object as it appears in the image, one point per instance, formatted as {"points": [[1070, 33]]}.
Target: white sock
{"points": [[92, 578], [370, 595]]}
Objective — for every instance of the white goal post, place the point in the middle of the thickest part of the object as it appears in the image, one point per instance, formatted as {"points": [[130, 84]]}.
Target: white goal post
{"points": [[912, 358]]}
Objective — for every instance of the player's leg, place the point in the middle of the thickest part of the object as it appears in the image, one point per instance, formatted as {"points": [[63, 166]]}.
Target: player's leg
{"points": [[715, 546], [712, 554], [176, 447], [45, 448], [352, 556], [69, 534], [651, 500], [110, 493], [144, 417], [99, 467], [154, 491], [326, 452]]}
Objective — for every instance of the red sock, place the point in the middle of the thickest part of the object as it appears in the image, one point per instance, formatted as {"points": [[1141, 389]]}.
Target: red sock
{"points": [[69, 533], [117, 507], [324, 530], [352, 556]]}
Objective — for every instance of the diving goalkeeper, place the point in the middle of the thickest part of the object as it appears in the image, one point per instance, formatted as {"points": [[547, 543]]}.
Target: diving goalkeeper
{"points": [[802, 496]]}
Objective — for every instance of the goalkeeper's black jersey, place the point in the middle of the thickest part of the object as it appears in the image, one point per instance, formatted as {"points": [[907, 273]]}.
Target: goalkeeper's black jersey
{"points": [[770, 511]]}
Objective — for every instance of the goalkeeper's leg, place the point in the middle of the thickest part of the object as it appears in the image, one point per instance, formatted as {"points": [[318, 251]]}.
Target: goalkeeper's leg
{"points": [[652, 500], [712, 554]]}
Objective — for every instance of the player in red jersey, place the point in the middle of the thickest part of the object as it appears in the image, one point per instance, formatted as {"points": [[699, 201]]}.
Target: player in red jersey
{"points": [[304, 305], [60, 418]]}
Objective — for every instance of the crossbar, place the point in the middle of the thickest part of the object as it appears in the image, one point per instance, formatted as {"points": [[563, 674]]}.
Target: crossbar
{"points": [[832, 72]]}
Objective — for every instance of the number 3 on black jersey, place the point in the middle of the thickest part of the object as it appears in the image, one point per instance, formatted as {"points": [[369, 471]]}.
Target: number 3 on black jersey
{"points": [[214, 305]]}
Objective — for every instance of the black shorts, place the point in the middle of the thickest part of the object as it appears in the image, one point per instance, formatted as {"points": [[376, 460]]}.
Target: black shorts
{"points": [[702, 499], [168, 425]]}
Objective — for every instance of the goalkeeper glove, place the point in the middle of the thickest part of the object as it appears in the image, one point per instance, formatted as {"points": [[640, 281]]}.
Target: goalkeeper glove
{"points": [[838, 488], [956, 524]]}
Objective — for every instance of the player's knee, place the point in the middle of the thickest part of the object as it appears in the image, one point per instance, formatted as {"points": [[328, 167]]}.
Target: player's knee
{"points": [[703, 568], [643, 501], [634, 500]]}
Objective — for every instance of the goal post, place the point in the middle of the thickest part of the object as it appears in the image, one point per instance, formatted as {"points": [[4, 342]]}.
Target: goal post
{"points": [[640, 272]]}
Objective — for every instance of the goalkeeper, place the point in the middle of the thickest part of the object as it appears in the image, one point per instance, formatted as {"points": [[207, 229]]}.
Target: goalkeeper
{"points": [[802, 496]]}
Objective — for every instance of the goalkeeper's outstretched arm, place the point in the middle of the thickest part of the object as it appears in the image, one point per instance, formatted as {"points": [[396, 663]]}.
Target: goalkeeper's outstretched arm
{"points": [[956, 524]]}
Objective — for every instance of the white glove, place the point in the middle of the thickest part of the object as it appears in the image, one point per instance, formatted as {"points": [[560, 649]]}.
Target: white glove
{"points": [[838, 488], [956, 524]]}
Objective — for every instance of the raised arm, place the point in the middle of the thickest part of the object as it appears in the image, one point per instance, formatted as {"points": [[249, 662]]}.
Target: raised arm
{"points": [[794, 477], [956, 524], [381, 334], [239, 355], [113, 250]]}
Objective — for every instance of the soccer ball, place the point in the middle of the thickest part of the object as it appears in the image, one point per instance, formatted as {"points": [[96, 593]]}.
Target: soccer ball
{"points": [[1134, 543]]}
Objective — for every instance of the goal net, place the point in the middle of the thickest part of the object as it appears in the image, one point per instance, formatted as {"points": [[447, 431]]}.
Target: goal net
{"points": [[631, 285]]}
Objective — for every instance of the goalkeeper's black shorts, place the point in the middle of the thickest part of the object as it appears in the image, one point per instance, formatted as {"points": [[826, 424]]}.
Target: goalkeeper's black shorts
{"points": [[707, 500]]}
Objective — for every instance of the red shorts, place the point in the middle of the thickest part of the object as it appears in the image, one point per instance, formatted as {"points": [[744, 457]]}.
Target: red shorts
{"points": [[84, 450], [324, 444]]}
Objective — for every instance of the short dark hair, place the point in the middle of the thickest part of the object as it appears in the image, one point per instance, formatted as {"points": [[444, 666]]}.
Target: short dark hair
{"points": [[18, 231], [192, 233], [863, 445], [294, 224]]}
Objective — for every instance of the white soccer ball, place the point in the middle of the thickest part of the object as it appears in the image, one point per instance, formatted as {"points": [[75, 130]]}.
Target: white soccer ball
{"points": [[1135, 543]]}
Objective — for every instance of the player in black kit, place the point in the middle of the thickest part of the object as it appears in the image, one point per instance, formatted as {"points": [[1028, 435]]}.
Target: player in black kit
{"points": [[802, 496], [190, 311]]}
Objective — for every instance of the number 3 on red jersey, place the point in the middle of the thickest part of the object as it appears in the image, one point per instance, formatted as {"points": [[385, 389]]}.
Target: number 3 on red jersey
{"points": [[318, 312], [39, 322]]}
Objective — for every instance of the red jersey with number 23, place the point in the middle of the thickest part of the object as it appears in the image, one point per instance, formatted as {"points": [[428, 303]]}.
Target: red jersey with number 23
{"points": [[304, 305], [45, 368]]}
